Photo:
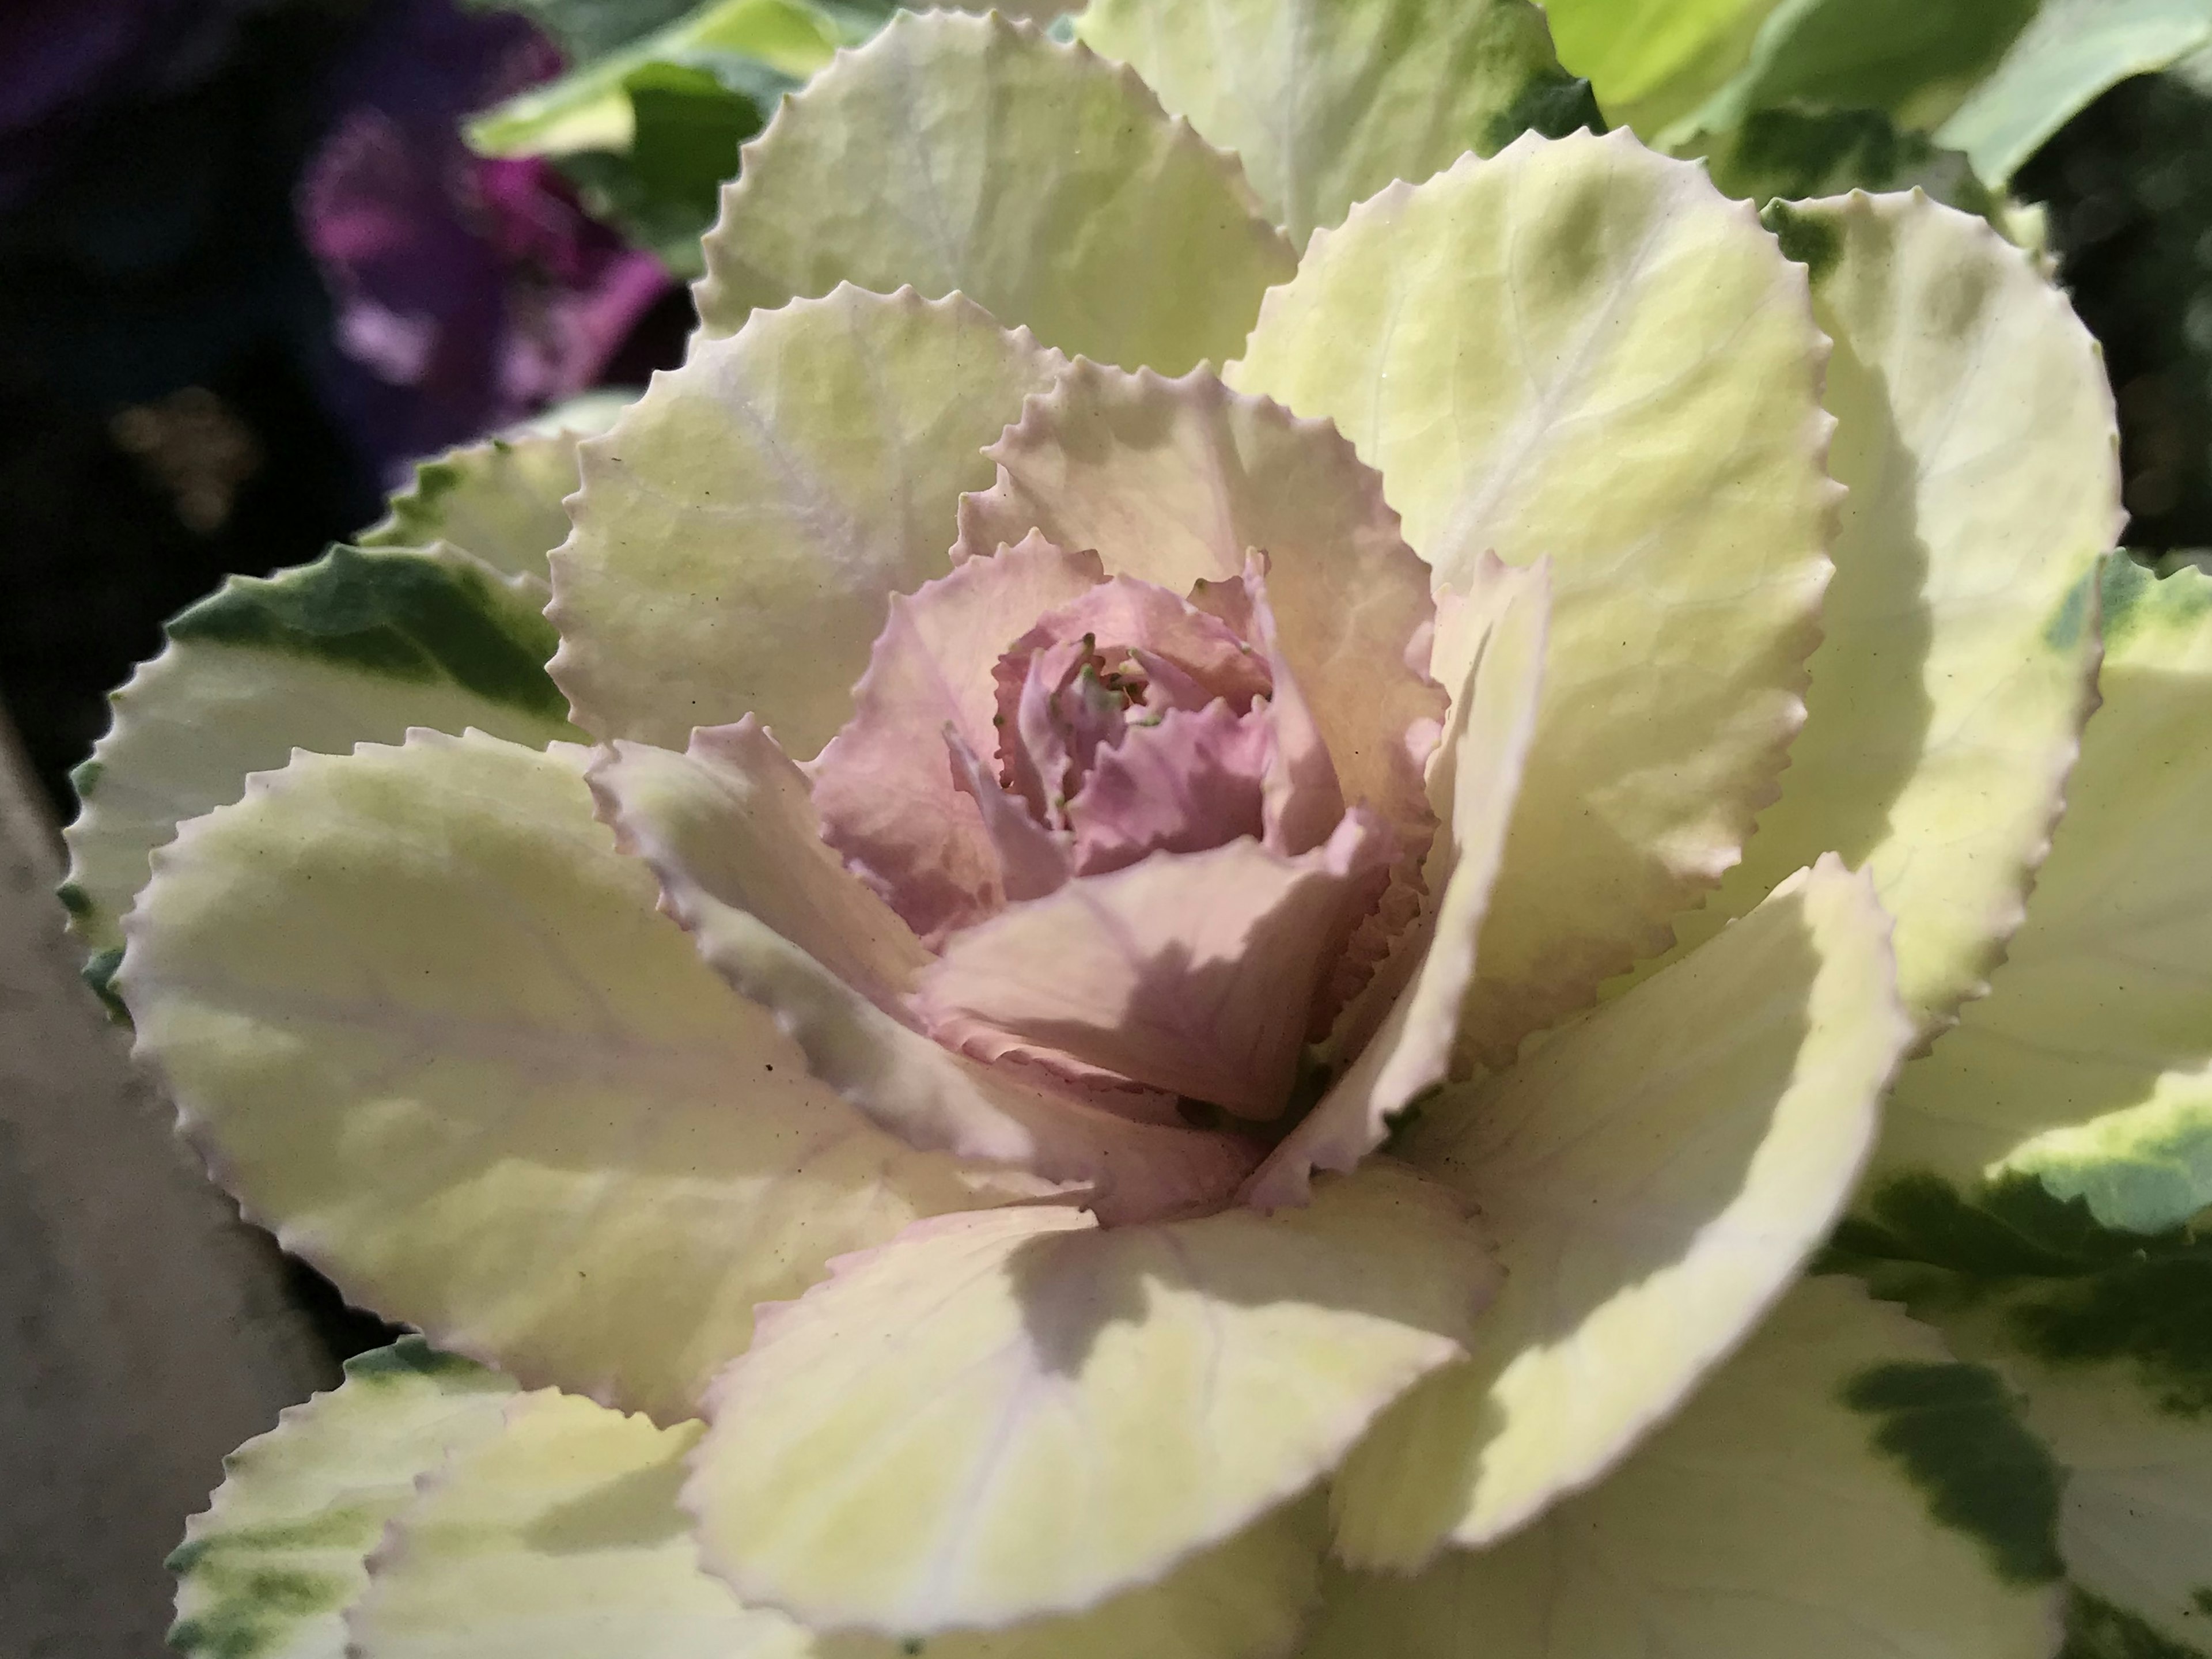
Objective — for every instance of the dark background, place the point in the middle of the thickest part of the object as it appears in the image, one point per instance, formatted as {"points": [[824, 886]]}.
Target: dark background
{"points": [[173, 404]]}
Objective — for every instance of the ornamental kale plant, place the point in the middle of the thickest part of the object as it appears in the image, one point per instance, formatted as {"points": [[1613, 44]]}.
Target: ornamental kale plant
{"points": [[1210, 873]]}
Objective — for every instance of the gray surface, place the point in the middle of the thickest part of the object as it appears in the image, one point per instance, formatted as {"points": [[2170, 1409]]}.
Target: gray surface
{"points": [[143, 1331]]}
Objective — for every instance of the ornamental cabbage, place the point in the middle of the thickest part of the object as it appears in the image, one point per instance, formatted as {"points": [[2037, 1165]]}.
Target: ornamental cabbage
{"points": [[1116, 1005]]}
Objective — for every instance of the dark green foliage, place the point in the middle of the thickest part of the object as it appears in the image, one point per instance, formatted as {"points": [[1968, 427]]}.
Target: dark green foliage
{"points": [[397, 613], [1954, 1429]]}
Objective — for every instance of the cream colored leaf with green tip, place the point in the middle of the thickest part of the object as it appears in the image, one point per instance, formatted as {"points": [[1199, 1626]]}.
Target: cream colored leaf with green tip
{"points": [[1009, 1414], [975, 154], [558, 1538], [1975, 434], [498, 499], [355, 648], [1325, 104], [425, 1023], [1653, 1178], [2110, 1367], [742, 529], [2089, 1065], [1651, 62], [562, 1540], [267, 1570], [2135, 1523], [1580, 351], [1790, 1509]]}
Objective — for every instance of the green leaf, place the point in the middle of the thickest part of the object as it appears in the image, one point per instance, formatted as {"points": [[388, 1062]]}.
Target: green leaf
{"points": [[979, 155], [268, 1570], [2073, 50], [1796, 153], [1651, 62], [359, 647], [1774, 1516], [1326, 105], [732, 40], [1911, 60], [587, 29]]}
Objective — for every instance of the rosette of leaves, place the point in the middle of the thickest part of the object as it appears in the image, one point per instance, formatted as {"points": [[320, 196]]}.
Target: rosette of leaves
{"points": [[1099, 1006]]}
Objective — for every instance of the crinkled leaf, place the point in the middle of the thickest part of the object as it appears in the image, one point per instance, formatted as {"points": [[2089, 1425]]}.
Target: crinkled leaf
{"points": [[1804, 1503], [2090, 1066], [498, 499], [1653, 1178], [1002, 1415], [1326, 105], [425, 1023], [1580, 351], [743, 527], [356, 648], [1975, 434], [267, 1570], [562, 1540], [976, 154]]}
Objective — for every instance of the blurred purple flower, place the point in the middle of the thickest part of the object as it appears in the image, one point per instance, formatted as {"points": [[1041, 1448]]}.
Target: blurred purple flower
{"points": [[470, 292]]}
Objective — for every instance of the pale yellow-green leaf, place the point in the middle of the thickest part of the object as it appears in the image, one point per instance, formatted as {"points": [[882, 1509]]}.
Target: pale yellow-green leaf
{"points": [[1579, 350], [558, 1538], [268, 1568], [743, 527], [975, 155], [1764, 1521], [355, 648], [498, 499], [424, 1023], [562, 1540], [1326, 104], [1013, 1413], [2089, 1065], [1975, 433], [1653, 1178]]}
